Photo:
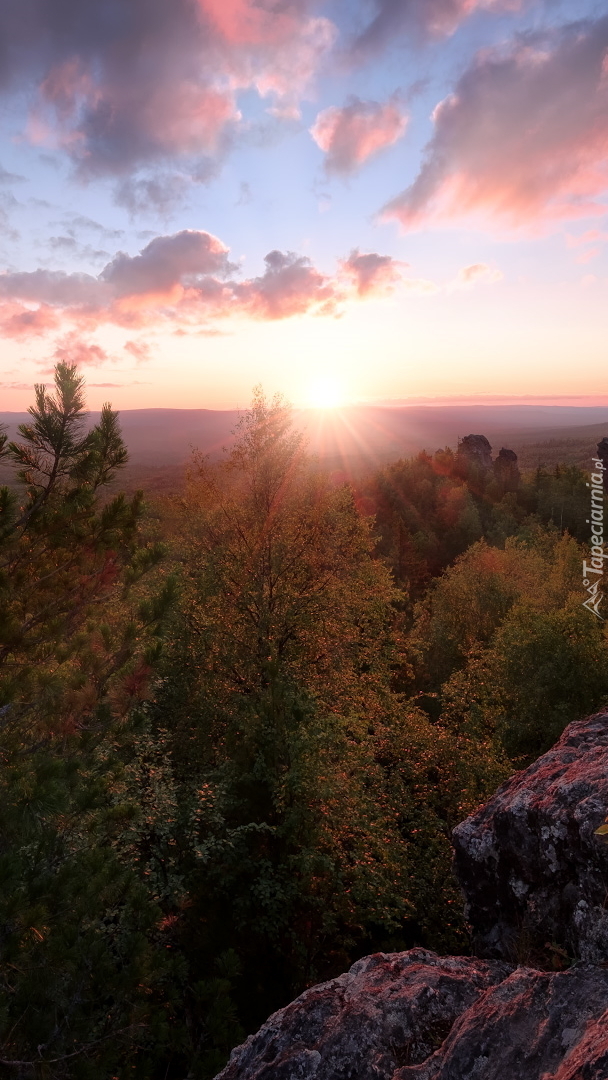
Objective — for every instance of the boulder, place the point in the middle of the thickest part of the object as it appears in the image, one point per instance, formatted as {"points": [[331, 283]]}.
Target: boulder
{"points": [[477, 450], [532, 871], [389, 1010], [420, 1016]]}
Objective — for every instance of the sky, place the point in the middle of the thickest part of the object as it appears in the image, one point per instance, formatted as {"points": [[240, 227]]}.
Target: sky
{"points": [[372, 200]]}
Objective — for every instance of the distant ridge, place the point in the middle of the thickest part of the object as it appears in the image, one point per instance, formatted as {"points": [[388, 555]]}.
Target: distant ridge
{"points": [[365, 435]]}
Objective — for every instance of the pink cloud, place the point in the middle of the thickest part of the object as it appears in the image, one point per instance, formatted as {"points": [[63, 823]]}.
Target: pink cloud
{"points": [[292, 67], [590, 236], [589, 255], [141, 351], [372, 274], [112, 128], [75, 350], [474, 274], [290, 285], [356, 132], [165, 275], [156, 81], [186, 283], [186, 277], [240, 22], [167, 262], [274, 48], [523, 139], [21, 322]]}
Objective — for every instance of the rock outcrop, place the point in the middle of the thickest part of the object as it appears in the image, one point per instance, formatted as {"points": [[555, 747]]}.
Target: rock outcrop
{"points": [[388, 1011], [477, 450], [532, 871], [528, 862], [417, 1016], [506, 470]]}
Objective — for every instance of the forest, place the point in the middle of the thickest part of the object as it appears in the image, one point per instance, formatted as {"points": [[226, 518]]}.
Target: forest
{"points": [[238, 724]]}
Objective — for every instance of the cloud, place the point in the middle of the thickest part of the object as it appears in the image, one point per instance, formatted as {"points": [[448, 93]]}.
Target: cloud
{"points": [[357, 131], [52, 287], [420, 286], [372, 274], [590, 236], [245, 195], [168, 262], [420, 19], [19, 323], [79, 221], [9, 177], [75, 350], [588, 280], [588, 256], [134, 85], [62, 243], [185, 279], [185, 283], [290, 285], [524, 137], [159, 194], [170, 272], [68, 245], [471, 275], [6, 227], [140, 350]]}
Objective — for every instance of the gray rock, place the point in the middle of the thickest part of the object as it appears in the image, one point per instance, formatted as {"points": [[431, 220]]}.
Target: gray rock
{"points": [[532, 1026], [389, 1010], [417, 1016], [477, 450], [528, 862], [533, 872], [588, 1059]]}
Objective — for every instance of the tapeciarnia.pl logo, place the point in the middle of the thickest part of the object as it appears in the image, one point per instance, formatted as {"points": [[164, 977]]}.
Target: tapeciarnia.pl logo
{"points": [[593, 571]]}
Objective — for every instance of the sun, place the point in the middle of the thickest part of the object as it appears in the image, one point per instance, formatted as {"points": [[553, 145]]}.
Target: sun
{"points": [[325, 393]]}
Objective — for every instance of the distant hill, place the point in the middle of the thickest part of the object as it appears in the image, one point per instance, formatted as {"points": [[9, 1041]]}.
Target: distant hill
{"points": [[382, 432], [359, 437]]}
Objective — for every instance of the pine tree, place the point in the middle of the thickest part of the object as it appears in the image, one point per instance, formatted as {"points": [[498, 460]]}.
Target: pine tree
{"points": [[83, 972], [66, 551]]}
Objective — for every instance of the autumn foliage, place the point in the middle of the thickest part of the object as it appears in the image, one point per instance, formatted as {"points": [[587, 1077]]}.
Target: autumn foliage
{"points": [[235, 734]]}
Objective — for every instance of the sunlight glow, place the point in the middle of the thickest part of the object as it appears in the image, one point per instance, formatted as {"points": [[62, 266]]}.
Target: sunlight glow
{"points": [[325, 393]]}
